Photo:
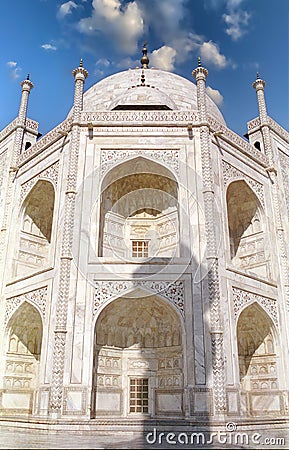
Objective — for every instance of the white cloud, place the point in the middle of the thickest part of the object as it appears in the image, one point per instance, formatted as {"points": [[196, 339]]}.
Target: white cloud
{"points": [[14, 69], [48, 47], [215, 95], [66, 8], [210, 53], [163, 58], [237, 23], [122, 22]]}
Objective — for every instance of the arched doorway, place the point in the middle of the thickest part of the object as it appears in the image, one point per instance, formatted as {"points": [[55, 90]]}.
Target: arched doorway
{"points": [[139, 211], [258, 360], [138, 359], [247, 229], [35, 229], [24, 339]]}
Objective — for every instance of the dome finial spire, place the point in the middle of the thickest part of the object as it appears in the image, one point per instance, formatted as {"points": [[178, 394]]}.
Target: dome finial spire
{"points": [[199, 61], [80, 63], [144, 59]]}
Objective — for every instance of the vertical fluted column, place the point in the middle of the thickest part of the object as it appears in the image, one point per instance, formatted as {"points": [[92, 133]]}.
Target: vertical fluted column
{"points": [[259, 86], [56, 393], [27, 85], [216, 326]]}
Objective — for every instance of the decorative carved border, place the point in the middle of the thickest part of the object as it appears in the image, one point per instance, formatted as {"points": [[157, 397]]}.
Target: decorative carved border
{"points": [[230, 173], [50, 173], [72, 412], [169, 157], [284, 160], [106, 290], [242, 298], [208, 392], [8, 129], [45, 141], [254, 123], [278, 129], [174, 117], [37, 297]]}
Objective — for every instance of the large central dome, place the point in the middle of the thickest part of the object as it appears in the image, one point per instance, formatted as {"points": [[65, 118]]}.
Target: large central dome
{"points": [[159, 90]]}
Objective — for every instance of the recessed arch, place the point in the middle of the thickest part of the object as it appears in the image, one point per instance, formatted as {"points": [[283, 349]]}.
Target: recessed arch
{"points": [[138, 341], [35, 228], [257, 349], [23, 350], [247, 229], [139, 211]]}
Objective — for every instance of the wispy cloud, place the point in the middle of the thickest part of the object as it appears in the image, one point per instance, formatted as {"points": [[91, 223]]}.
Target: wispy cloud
{"points": [[101, 65], [14, 69], [123, 23], [66, 8], [215, 95], [237, 23], [48, 47]]}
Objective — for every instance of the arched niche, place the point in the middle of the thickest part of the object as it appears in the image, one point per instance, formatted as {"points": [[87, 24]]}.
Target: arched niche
{"points": [[139, 211], [23, 350], [35, 229], [247, 229], [138, 359], [256, 350]]}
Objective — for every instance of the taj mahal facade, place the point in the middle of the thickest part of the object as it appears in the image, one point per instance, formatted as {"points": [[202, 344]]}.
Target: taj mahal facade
{"points": [[144, 258]]}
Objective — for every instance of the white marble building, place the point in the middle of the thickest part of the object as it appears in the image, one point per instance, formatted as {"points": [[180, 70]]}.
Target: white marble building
{"points": [[144, 257]]}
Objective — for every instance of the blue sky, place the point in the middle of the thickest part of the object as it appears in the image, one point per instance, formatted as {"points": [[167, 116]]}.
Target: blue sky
{"points": [[235, 38]]}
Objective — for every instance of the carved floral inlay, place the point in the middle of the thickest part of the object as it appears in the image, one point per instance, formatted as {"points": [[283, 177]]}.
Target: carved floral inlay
{"points": [[169, 157], [241, 299], [231, 173], [37, 297], [50, 173], [106, 290]]}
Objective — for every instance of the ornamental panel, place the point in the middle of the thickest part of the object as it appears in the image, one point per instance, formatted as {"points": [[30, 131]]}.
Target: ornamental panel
{"points": [[107, 290]]}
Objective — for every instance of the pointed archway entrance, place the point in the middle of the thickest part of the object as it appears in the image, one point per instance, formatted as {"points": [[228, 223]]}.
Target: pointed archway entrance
{"points": [[138, 360]]}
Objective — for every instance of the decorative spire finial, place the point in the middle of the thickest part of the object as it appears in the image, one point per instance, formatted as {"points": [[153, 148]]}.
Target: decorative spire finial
{"points": [[28, 76], [257, 76], [144, 59], [81, 63], [199, 61]]}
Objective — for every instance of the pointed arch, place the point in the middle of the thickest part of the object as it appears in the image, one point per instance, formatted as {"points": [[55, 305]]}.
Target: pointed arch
{"points": [[138, 342], [139, 211], [23, 350], [35, 228], [257, 349], [247, 229]]}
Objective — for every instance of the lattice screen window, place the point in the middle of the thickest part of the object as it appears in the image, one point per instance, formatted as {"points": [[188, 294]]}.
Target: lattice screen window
{"points": [[139, 393], [140, 249]]}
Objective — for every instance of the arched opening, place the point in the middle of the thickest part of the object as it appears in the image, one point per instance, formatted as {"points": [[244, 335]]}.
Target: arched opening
{"points": [[35, 229], [247, 229], [139, 211], [256, 350], [138, 359], [258, 368], [24, 339], [257, 145]]}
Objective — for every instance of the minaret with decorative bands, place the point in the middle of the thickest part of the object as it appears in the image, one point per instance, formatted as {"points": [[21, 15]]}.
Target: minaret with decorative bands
{"points": [[56, 393], [259, 86], [216, 326], [27, 85]]}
